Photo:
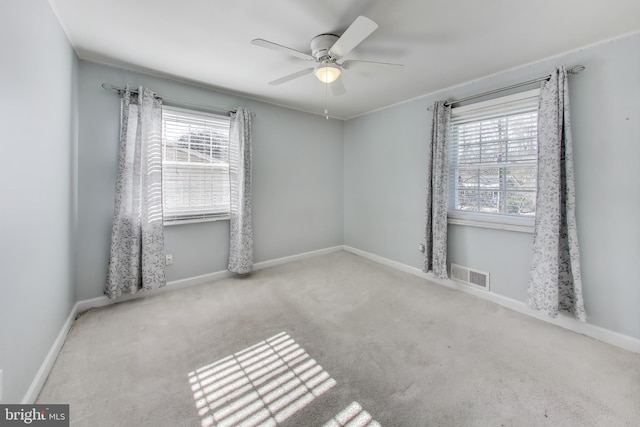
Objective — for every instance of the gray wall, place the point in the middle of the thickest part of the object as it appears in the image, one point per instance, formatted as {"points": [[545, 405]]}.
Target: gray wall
{"points": [[385, 181], [297, 181], [317, 184], [37, 183]]}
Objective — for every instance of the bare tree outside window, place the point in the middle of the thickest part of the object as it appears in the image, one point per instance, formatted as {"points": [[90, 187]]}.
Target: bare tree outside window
{"points": [[494, 164]]}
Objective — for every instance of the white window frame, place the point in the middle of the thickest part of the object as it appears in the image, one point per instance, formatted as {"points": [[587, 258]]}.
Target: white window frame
{"points": [[196, 215], [500, 221]]}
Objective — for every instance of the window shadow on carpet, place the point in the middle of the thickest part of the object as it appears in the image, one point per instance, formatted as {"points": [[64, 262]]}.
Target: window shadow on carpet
{"points": [[353, 416], [262, 385]]}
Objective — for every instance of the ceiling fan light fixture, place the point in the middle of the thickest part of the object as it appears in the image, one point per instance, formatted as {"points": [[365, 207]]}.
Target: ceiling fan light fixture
{"points": [[327, 72]]}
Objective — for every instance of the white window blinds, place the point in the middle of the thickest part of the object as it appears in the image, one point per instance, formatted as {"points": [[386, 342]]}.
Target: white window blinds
{"points": [[195, 165], [493, 156]]}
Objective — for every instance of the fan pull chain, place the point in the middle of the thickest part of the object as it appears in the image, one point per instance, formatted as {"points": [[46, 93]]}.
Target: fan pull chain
{"points": [[326, 100]]}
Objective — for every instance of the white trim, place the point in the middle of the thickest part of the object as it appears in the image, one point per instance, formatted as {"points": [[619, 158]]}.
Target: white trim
{"points": [[496, 222], [36, 385], [84, 305], [174, 222], [388, 262], [564, 321], [102, 301], [533, 63], [605, 335], [503, 102], [198, 85], [207, 114], [285, 260], [246, 97]]}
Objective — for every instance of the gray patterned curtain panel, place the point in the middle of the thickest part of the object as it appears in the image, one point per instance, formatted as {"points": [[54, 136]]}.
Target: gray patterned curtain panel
{"points": [[136, 259], [555, 283], [240, 226], [437, 180]]}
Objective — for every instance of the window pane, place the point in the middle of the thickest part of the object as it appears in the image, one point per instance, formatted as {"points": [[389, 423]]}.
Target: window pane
{"points": [[195, 164], [521, 178], [468, 179], [521, 203], [467, 200], [493, 159], [488, 201]]}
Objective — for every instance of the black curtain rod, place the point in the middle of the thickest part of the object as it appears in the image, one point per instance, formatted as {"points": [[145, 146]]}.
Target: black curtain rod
{"points": [[120, 91], [573, 70]]}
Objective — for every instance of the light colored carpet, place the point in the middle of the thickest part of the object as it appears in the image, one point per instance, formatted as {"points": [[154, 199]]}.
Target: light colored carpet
{"points": [[332, 339]]}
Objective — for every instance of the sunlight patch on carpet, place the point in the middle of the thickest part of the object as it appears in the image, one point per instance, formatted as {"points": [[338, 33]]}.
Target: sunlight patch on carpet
{"points": [[262, 385], [353, 416]]}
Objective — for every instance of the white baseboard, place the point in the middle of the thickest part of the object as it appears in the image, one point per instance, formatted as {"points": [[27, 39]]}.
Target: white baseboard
{"points": [[298, 257], [605, 335], [564, 321], [102, 301], [37, 383]]}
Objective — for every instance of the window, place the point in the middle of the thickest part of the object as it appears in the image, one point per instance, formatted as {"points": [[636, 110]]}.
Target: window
{"points": [[195, 165], [493, 160]]}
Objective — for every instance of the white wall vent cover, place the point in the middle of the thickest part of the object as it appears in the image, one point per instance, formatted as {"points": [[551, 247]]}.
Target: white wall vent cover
{"points": [[466, 275]]}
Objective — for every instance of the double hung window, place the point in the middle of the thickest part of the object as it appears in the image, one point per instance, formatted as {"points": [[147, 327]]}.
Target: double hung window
{"points": [[493, 160], [195, 165]]}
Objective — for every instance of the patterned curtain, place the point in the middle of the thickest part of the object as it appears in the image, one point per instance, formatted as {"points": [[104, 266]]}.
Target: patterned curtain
{"points": [[136, 260], [241, 226], [437, 179], [555, 283]]}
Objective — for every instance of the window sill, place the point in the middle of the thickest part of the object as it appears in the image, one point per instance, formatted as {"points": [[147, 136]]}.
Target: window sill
{"points": [[496, 222], [171, 223]]}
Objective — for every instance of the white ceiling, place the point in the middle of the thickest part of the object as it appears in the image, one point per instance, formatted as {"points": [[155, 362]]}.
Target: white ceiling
{"points": [[441, 43]]}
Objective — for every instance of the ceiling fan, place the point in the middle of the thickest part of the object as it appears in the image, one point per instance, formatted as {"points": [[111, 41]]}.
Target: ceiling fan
{"points": [[327, 50]]}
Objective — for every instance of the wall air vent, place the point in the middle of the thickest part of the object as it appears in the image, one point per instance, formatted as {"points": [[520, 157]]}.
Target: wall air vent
{"points": [[468, 276]]}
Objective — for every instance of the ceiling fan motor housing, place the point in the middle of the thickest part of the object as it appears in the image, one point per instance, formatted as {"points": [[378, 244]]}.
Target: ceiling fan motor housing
{"points": [[321, 44]]}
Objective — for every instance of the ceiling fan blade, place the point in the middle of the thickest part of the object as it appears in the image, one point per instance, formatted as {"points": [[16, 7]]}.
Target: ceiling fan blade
{"points": [[368, 66], [282, 49], [355, 34], [291, 76], [337, 87]]}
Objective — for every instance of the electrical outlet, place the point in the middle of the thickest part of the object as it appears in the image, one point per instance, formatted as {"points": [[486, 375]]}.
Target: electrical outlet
{"points": [[168, 259]]}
